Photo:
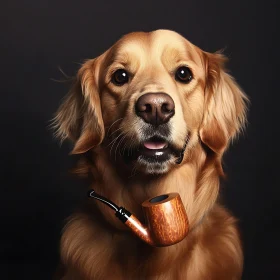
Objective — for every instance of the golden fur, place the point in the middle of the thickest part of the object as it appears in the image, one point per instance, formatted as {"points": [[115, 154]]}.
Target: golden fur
{"points": [[99, 118]]}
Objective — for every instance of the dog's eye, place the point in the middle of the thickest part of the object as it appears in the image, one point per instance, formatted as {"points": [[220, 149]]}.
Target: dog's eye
{"points": [[183, 74], [120, 77]]}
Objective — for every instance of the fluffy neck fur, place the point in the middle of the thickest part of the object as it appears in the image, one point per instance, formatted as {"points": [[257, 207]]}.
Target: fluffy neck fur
{"points": [[91, 243]]}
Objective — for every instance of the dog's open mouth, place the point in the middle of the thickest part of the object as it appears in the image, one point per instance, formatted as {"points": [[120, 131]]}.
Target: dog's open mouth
{"points": [[154, 149]]}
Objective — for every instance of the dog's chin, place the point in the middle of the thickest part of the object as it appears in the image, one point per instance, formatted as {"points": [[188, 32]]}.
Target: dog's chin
{"points": [[154, 166], [153, 156]]}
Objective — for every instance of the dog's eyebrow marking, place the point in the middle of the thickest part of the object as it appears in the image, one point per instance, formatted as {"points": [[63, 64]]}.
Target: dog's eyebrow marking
{"points": [[171, 55], [121, 58], [129, 60], [175, 55]]}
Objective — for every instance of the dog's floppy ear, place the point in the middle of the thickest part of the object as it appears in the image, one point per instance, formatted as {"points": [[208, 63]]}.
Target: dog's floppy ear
{"points": [[225, 106], [79, 117]]}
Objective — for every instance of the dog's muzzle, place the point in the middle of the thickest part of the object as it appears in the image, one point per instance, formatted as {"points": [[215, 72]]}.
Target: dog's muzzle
{"points": [[155, 109]]}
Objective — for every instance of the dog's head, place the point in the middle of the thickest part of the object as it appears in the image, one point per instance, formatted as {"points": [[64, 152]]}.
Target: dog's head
{"points": [[150, 99]]}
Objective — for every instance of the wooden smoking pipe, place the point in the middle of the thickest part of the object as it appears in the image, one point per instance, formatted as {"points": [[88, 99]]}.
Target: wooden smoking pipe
{"points": [[166, 218]]}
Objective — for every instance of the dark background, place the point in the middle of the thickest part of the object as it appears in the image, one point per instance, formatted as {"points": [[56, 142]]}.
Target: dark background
{"points": [[37, 194]]}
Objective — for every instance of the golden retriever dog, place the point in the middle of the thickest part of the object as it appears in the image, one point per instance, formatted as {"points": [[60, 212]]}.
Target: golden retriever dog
{"points": [[152, 115]]}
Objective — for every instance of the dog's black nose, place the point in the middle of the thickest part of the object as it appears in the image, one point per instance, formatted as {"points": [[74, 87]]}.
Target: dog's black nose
{"points": [[155, 108]]}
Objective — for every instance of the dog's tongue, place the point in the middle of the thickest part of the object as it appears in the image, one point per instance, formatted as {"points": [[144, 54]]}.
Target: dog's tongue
{"points": [[153, 145]]}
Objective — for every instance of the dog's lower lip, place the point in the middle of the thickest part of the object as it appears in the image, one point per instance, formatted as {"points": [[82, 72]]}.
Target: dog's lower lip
{"points": [[155, 154]]}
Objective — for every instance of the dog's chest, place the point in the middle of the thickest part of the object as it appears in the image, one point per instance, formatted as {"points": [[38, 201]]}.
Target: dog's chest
{"points": [[133, 259], [122, 256]]}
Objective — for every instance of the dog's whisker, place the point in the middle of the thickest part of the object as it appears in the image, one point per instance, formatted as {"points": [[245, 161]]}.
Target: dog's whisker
{"points": [[124, 136], [113, 125], [122, 151], [114, 141], [126, 144], [111, 149], [131, 144], [115, 131]]}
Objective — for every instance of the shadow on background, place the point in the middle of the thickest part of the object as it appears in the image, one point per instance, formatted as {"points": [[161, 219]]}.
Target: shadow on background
{"points": [[37, 194]]}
